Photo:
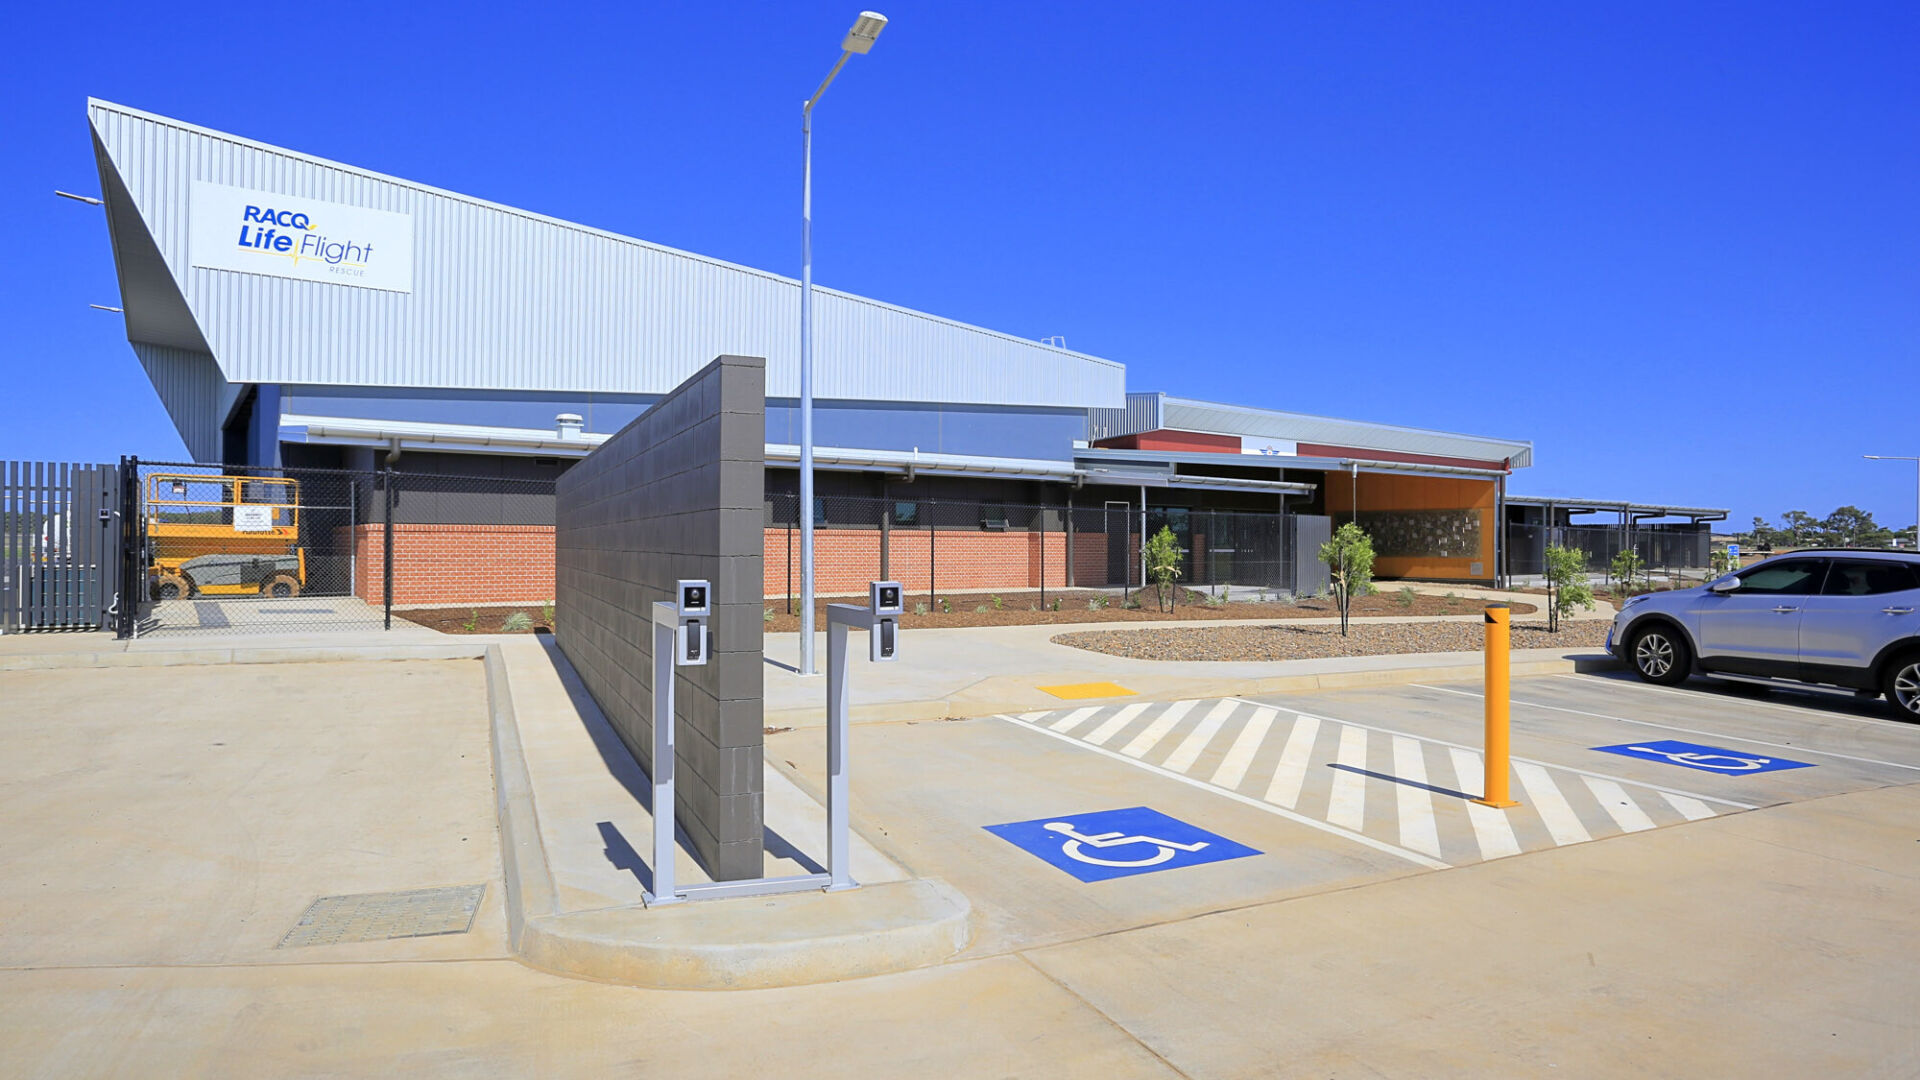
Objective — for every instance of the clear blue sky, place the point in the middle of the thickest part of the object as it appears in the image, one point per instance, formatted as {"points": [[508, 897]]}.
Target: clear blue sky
{"points": [[1676, 245]]}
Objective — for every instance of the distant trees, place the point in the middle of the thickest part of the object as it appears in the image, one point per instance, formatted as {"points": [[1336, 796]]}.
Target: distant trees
{"points": [[1848, 526]]}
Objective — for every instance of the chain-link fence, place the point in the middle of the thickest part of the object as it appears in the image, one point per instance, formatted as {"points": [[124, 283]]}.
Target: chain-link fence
{"points": [[228, 549], [235, 549], [938, 547], [1674, 554]]}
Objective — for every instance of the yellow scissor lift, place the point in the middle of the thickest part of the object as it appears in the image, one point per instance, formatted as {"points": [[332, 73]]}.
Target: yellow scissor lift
{"points": [[223, 536]]}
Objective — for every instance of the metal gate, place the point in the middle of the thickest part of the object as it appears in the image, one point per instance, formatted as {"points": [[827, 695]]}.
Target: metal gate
{"points": [[61, 546]]}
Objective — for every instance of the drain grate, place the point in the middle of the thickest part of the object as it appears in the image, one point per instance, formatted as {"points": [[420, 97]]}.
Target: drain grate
{"points": [[334, 920]]}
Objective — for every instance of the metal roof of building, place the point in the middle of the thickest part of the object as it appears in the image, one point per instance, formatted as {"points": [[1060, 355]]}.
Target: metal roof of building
{"points": [[1155, 411], [469, 438], [503, 299], [1703, 513], [1279, 461]]}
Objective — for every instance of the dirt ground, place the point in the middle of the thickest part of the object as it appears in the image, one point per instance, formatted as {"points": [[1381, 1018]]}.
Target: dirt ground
{"points": [[1012, 609], [1024, 609], [478, 620], [1255, 643]]}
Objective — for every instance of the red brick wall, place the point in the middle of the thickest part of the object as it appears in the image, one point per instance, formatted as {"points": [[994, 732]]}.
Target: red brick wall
{"points": [[845, 560], [457, 564], [488, 564]]}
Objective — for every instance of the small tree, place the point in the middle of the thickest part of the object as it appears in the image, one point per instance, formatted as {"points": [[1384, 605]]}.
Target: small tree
{"points": [[1349, 559], [1626, 566], [1567, 583], [1163, 564], [1720, 561]]}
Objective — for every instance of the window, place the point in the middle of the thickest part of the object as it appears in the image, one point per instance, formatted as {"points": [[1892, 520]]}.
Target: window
{"points": [[906, 513], [993, 515], [819, 511], [1790, 577], [1868, 577]]}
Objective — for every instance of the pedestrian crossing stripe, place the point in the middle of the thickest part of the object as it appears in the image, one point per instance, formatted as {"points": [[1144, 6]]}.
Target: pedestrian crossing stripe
{"points": [[1402, 794]]}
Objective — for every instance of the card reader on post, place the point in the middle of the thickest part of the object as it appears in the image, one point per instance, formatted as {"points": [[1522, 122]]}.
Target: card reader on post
{"points": [[694, 632], [884, 603]]}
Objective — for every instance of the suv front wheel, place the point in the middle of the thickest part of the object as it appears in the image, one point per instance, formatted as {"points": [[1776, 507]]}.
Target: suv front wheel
{"points": [[1660, 655], [1903, 685]]}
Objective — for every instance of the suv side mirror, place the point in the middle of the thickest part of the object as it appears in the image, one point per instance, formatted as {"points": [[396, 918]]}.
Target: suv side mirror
{"points": [[1725, 585]]}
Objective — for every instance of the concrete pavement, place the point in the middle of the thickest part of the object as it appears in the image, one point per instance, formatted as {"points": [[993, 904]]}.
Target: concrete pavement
{"points": [[980, 671], [163, 870]]}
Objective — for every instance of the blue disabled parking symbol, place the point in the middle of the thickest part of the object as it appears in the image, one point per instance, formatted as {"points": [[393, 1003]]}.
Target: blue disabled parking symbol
{"points": [[1705, 758], [1118, 843]]}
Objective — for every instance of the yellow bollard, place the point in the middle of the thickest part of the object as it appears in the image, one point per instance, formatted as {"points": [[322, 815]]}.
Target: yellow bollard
{"points": [[1497, 693]]}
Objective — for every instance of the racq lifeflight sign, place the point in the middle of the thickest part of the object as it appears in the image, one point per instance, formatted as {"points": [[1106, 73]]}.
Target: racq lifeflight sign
{"points": [[258, 232]]}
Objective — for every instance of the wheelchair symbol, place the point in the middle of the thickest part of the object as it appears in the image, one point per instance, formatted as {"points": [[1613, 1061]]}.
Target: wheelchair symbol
{"points": [[1166, 849], [1707, 761]]}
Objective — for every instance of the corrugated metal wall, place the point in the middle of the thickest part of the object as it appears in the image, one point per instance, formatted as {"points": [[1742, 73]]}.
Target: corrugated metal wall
{"points": [[1184, 415], [503, 299], [1141, 414], [195, 395]]}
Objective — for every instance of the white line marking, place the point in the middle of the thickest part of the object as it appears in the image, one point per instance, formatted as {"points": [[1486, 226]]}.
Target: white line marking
{"points": [[1035, 717], [1795, 710], [1285, 788], [1418, 830], [1548, 764], [1613, 799], [1675, 727], [1118, 720], [1233, 767], [1299, 819], [1491, 829], [1196, 741], [1347, 806], [1691, 809], [1562, 823], [1073, 719], [1150, 738]]}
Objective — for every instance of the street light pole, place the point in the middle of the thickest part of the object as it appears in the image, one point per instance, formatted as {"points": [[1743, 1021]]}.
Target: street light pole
{"points": [[866, 29], [1916, 487]]}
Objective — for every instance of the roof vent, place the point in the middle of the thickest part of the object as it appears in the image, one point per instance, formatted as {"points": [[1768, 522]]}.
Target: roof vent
{"points": [[568, 425]]}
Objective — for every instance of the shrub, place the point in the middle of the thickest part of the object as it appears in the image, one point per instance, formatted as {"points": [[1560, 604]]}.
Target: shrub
{"points": [[473, 621], [1567, 584], [517, 623], [766, 615], [1626, 566], [982, 610], [546, 613], [1406, 597], [921, 609], [946, 606], [1163, 565], [995, 601], [1349, 559]]}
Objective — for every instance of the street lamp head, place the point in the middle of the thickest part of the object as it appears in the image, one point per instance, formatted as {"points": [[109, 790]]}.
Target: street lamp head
{"points": [[866, 30]]}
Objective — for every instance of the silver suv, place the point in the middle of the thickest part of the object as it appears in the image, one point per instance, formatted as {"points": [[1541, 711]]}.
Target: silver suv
{"points": [[1843, 617]]}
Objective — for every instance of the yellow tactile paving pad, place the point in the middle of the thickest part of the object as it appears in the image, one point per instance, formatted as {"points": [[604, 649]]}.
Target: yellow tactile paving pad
{"points": [[1077, 691]]}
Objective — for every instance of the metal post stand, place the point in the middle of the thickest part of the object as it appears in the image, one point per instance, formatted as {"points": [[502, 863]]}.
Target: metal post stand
{"points": [[666, 620]]}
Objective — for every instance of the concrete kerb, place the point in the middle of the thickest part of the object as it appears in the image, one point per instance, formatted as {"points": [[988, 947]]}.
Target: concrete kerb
{"points": [[786, 940]]}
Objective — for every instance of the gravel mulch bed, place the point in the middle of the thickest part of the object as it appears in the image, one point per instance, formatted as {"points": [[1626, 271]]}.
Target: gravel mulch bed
{"points": [[477, 620], [1024, 609], [1253, 643]]}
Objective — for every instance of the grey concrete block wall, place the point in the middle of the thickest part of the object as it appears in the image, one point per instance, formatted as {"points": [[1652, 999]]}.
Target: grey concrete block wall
{"points": [[677, 494]]}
